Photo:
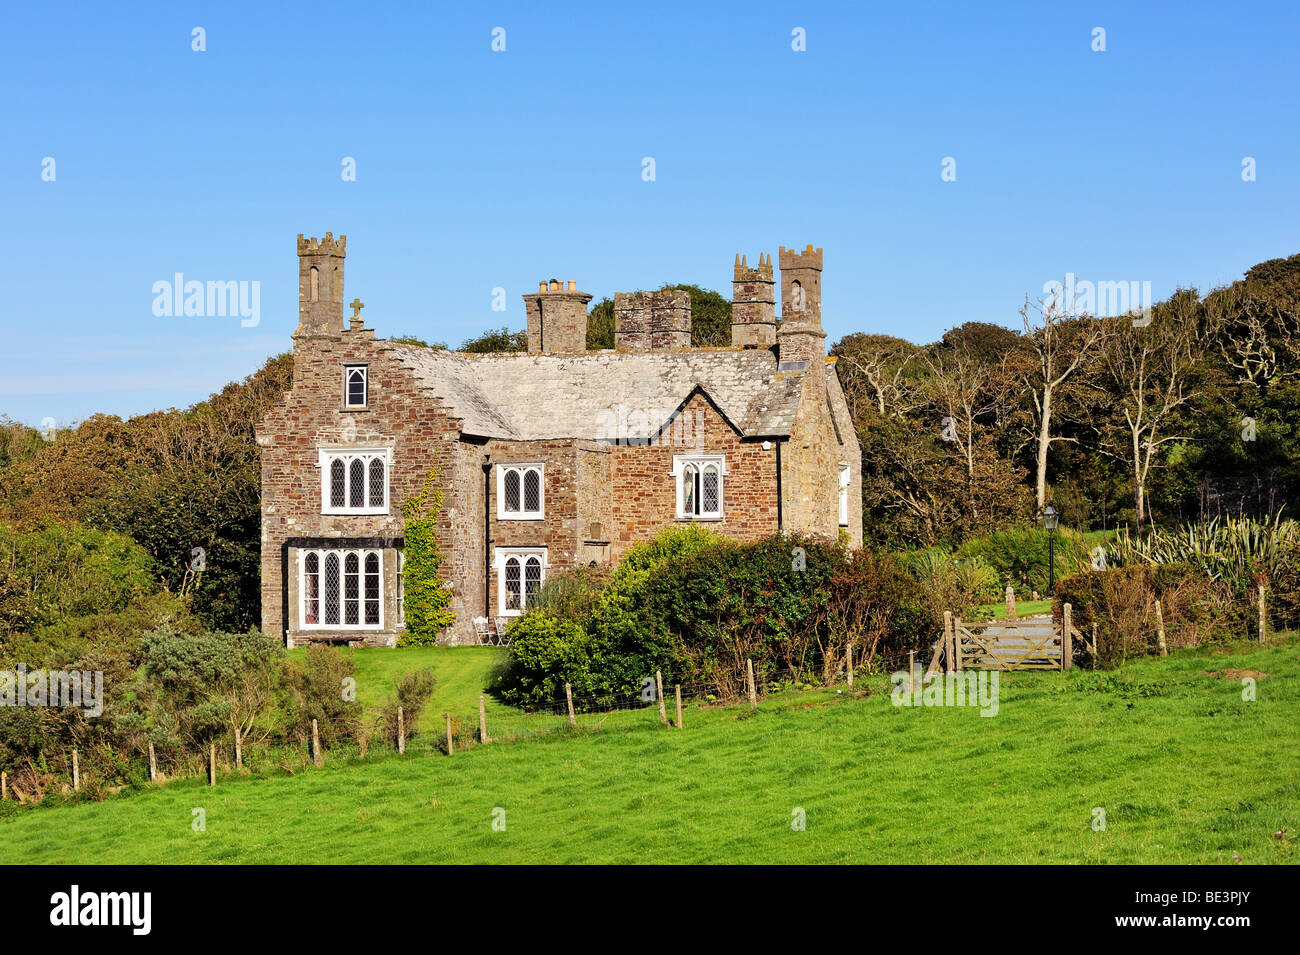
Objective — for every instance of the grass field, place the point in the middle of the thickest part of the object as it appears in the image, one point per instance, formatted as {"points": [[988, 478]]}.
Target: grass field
{"points": [[1186, 771]]}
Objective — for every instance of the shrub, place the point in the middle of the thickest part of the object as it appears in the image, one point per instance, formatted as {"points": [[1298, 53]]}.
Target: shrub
{"points": [[411, 693], [546, 651], [1284, 589], [317, 691], [696, 606], [1019, 555], [1121, 602], [958, 584]]}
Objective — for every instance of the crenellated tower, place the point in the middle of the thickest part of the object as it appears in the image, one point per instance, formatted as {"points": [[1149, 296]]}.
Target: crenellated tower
{"points": [[320, 286], [800, 337]]}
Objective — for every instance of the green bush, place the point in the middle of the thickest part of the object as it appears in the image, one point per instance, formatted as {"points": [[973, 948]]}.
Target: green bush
{"points": [[49, 575], [1284, 589], [696, 606], [1020, 555]]}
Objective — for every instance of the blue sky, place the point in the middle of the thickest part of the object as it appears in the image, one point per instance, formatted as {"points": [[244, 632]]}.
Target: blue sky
{"points": [[477, 169]]}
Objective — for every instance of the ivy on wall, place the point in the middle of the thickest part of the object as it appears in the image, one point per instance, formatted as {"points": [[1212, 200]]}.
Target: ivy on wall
{"points": [[427, 598]]}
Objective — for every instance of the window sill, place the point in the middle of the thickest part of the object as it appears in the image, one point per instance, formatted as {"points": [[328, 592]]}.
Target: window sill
{"points": [[345, 512], [713, 518], [520, 517]]}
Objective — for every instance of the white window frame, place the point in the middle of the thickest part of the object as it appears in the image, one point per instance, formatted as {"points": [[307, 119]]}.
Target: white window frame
{"points": [[700, 461], [522, 514], [502, 556], [401, 589], [365, 386], [342, 552], [325, 458], [846, 479]]}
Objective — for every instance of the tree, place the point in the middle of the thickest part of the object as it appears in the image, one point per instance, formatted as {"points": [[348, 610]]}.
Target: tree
{"points": [[1150, 369], [495, 340], [1061, 344], [878, 371]]}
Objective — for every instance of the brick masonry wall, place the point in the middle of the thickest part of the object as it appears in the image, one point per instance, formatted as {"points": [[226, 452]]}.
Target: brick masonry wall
{"points": [[644, 496]]}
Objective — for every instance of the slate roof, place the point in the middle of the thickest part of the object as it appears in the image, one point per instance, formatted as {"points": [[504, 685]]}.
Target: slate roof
{"points": [[604, 394]]}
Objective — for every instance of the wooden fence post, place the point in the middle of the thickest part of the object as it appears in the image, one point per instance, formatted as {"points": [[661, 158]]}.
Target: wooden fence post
{"points": [[1067, 640], [482, 720], [153, 764], [4, 785], [315, 744], [212, 764], [401, 731], [749, 678], [1160, 631], [1263, 617], [568, 695], [76, 771], [451, 745], [850, 666], [679, 706], [949, 650], [659, 692], [911, 671]]}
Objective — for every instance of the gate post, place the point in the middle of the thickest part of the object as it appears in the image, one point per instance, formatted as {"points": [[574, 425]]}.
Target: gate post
{"points": [[1067, 645]]}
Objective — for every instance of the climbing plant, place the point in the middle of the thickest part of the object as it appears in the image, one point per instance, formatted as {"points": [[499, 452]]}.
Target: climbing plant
{"points": [[427, 598]]}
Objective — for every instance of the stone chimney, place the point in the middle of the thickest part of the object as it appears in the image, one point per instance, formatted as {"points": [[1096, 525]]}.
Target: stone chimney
{"points": [[557, 317], [320, 286], [800, 339], [753, 304], [652, 321]]}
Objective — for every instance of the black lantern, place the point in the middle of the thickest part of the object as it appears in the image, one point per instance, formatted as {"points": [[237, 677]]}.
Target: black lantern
{"points": [[1051, 517]]}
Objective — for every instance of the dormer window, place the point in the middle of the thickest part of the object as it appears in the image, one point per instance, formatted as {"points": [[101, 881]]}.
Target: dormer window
{"points": [[699, 481], [356, 390], [520, 492], [354, 481]]}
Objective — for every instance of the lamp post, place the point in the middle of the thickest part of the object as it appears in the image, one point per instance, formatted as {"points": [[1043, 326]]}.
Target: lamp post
{"points": [[1051, 517]]}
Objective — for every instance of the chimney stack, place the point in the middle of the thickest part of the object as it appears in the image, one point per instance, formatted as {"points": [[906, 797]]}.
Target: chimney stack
{"points": [[652, 321], [753, 304], [557, 317]]}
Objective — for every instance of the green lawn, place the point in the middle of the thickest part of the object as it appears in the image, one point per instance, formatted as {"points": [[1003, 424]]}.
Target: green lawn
{"points": [[1186, 771], [1024, 608]]}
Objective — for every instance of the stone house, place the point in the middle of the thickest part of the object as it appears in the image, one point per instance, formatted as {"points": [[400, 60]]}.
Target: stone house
{"points": [[547, 459]]}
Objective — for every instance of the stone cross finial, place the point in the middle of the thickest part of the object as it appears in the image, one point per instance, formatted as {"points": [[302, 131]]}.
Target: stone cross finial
{"points": [[356, 305]]}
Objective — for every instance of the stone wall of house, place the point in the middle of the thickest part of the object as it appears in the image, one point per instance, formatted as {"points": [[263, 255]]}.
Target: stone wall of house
{"points": [[400, 415]]}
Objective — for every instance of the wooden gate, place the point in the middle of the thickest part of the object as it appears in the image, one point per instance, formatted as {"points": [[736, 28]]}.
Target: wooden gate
{"points": [[1028, 643]]}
